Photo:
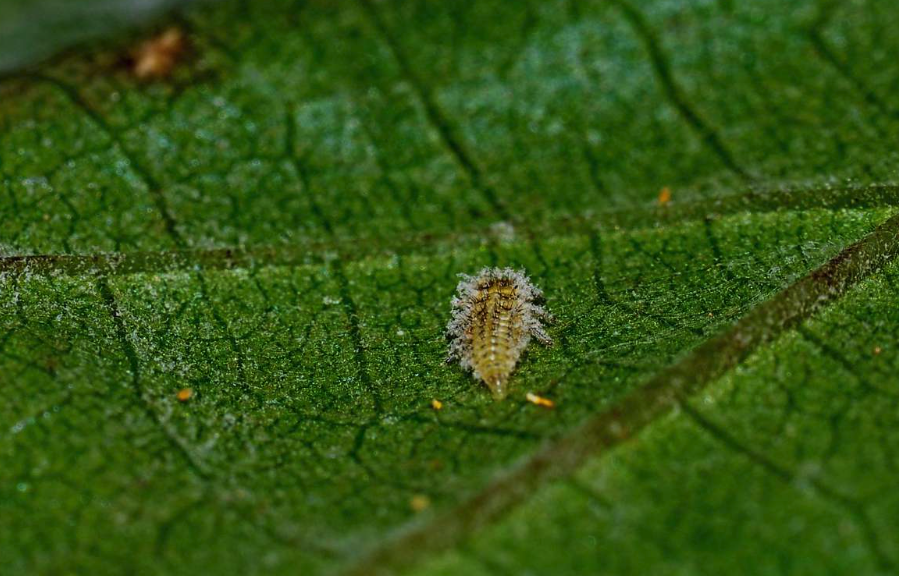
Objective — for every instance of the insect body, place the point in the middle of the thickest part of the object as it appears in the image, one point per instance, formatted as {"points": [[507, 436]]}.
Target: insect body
{"points": [[495, 314]]}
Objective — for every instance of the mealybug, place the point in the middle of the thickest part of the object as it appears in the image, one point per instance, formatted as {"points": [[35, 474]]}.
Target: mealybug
{"points": [[495, 314]]}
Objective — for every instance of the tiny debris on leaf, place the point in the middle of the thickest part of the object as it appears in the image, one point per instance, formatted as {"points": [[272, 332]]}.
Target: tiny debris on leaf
{"points": [[185, 394], [155, 58], [540, 400], [495, 315], [877, 350], [436, 404], [502, 231], [419, 503], [664, 196]]}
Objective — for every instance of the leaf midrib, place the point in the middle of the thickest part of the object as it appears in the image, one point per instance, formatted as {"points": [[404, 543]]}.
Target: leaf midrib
{"points": [[798, 198]]}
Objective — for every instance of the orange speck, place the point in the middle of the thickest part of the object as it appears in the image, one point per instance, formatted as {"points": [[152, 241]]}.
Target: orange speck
{"points": [[436, 404], [540, 400], [419, 502], [664, 196], [877, 350], [156, 57], [185, 394]]}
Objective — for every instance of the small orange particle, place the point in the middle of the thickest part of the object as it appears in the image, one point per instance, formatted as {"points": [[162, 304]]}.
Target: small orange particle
{"points": [[156, 57], [877, 350], [540, 400], [664, 196], [419, 503], [185, 394], [436, 404]]}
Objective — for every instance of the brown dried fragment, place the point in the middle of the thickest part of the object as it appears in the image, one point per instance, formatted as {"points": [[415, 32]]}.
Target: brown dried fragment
{"points": [[495, 315], [155, 58]]}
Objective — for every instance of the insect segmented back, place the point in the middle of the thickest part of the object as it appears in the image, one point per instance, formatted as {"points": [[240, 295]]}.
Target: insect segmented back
{"points": [[495, 315]]}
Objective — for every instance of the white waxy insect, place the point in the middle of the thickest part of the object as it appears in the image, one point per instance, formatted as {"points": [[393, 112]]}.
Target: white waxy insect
{"points": [[495, 315]]}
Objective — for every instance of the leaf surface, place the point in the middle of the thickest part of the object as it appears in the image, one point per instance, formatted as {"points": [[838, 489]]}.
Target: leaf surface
{"points": [[278, 227]]}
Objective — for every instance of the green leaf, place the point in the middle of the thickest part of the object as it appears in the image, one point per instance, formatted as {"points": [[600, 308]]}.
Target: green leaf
{"points": [[278, 227], [785, 465]]}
